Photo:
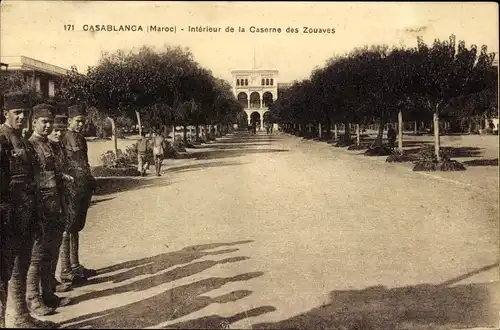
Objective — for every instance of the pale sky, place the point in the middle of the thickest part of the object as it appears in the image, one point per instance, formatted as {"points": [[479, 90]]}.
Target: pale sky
{"points": [[36, 29]]}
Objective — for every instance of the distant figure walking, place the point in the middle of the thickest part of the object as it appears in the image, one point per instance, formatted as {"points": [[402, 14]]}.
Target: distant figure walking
{"points": [[142, 146], [391, 137], [158, 151]]}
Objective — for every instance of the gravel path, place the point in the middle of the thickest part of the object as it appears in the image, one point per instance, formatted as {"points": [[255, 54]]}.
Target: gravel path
{"points": [[278, 232]]}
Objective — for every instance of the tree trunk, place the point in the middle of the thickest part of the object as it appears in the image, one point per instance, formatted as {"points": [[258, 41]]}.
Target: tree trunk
{"points": [[400, 131], [415, 129], [358, 135], [197, 131], [173, 134], [138, 115], [335, 132], [113, 136], [437, 142], [379, 140], [184, 133], [347, 132], [319, 130]]}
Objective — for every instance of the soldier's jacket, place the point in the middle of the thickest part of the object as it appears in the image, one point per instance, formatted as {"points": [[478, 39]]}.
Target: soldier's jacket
{"points": [[22, 163], [75, 147], [4, 185], [49, 179], [61, 167]]}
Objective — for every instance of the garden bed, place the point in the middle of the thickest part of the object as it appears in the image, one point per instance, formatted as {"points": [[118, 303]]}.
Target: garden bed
{"points": [[400, 158], [378, 151], [356, 147], [444, 165], [103, 171]]}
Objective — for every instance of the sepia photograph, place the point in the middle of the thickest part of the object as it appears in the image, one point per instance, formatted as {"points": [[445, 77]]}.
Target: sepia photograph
{"points": [[249, 165]]}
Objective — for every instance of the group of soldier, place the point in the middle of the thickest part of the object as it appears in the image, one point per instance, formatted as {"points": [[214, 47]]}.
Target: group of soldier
{"points": [[45, 192]]}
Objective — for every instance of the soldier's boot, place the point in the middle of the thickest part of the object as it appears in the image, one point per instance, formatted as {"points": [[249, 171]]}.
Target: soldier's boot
{"points": [[55, 301], [67, 275], [17, 314], [33, 297], [78, 269], [56, 285], [3, 302]]}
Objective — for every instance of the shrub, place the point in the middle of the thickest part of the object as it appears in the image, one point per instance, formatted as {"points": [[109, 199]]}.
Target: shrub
{"points": [[378, 151], [179, 146], [112, 160], [343, 143], [103, 171], [427, 161]]}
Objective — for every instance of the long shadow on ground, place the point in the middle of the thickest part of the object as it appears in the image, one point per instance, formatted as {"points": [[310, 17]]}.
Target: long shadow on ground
{"points": [[111, 185], [216, 154], [219, 322], [482, 162], [413, 307], [194, 167], [240, 145], [151, 265], [166, 306], [169, 304]]}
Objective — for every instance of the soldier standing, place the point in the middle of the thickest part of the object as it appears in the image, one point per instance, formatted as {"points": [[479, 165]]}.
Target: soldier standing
{"points": [[41, 298], [5, 230], [24, 224], [79, 196], [59, 129]]}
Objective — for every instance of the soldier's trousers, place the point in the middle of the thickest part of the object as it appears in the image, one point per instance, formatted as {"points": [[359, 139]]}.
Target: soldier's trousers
{"points": [[45, 251], [78, 203], [18, 243]]}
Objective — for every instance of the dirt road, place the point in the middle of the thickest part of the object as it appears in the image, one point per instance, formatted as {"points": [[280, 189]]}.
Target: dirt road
{"points": [[271, 231]]}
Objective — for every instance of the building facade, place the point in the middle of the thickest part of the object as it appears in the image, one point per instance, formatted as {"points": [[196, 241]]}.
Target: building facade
{"points": [[43, 77], [256, 90]]}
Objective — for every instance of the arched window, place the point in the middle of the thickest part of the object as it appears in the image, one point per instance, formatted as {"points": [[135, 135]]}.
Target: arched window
{"points": [[267, 82], [263, 81], [237, 82], [272, 82], [246, 82]]}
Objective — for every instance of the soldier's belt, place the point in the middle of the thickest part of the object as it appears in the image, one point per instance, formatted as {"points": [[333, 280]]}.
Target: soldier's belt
{"points": [[21, 183], [48, 179]]}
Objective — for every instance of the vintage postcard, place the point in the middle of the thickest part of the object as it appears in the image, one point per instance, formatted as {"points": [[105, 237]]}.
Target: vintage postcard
{"points": [[241, 165]]}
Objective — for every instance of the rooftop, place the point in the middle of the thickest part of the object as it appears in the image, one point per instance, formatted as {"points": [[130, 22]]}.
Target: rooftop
{"points": [[27, 63]]}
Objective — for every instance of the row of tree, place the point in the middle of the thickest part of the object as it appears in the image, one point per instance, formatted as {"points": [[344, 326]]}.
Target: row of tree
{"points": [[379, 84], [158, 88]]}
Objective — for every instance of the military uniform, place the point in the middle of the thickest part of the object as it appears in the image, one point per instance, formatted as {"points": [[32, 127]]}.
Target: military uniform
{"points": [[24, 224], [79, 195], [40, 294], [60, 123], [4, 227]]}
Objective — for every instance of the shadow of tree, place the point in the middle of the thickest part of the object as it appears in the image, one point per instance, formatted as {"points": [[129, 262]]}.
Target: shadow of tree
{"points": [[219, 322], [168, 305], [216, 154], [240, 145], [482, 162], [192, 167], [111, 185], [413, 307]]}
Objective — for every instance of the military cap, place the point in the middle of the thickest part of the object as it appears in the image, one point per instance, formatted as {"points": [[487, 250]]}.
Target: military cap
{"points": [[60, 122], [16, 100], [62, 108], [76, 110], [43, 110]]}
